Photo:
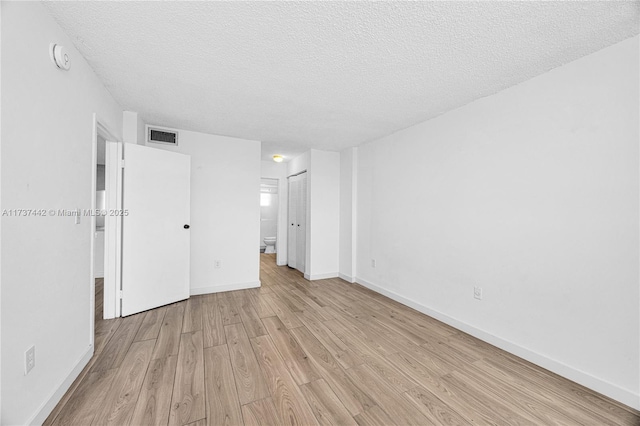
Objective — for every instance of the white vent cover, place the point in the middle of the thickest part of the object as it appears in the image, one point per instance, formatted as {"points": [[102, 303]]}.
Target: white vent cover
{"points": [[157, 134]]}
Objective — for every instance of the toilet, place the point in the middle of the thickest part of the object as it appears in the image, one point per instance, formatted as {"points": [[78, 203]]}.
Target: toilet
{"points": [[271, 244]]}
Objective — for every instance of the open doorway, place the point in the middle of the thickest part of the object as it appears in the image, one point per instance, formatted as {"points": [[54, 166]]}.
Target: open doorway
{"points": [[100, 135], [98, 253], [269, 206], [98, 228]]}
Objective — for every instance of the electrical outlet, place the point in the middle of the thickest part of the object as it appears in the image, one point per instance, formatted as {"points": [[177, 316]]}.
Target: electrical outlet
{"points": [[29, 359], [216, 264], [373, 263], [477, 293]]}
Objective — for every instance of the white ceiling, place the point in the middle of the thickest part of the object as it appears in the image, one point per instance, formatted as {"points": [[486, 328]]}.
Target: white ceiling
{"points": [[327, 75]]}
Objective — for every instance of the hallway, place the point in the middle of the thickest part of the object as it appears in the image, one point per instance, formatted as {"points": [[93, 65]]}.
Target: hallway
{"points": [[321, 352]]}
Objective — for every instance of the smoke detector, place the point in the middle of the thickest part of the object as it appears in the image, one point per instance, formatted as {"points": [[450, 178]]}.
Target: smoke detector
{"points": [[59, 56]]}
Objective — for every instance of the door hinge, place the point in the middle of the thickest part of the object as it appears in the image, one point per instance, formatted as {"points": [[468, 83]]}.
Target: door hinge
{"points": [[122, 164], [120, 294]]}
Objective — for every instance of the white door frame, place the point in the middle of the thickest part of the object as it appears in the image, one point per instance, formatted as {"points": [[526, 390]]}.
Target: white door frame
{"points": [[99, 128]]}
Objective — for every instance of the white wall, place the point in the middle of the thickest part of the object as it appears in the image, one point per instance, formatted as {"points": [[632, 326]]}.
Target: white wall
{"points": [[348, 194], [133, 128], [323, 211], [532, 194], [225, 210], [298, 164], [130, 127], [141, 130], [324, 217], [98, 254], [273, 170], [47, 135]]}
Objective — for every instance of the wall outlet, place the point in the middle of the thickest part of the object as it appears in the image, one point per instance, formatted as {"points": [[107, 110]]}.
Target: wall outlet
{"points": [[216, 264], [477, 293], [29, 360], [373, 263]]}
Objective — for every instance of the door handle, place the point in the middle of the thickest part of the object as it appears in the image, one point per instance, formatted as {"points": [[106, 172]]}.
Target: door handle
{"points": [[186, 227]]}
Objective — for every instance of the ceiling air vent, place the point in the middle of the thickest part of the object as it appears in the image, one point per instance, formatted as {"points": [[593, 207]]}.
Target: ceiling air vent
{"points": [[162, 135]]}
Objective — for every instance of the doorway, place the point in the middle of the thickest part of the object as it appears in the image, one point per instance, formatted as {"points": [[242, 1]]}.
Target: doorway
{"points": [[98, 253], [101, 134], [269, 201], [147, 250]]}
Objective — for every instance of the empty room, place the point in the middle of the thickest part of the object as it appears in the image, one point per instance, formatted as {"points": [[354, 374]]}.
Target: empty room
{"points": [[320, 213]]}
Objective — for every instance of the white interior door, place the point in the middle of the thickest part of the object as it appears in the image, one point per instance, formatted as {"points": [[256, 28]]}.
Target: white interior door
{"points": [[112, 230], [301, 218], [291, 228], [155, 228]]}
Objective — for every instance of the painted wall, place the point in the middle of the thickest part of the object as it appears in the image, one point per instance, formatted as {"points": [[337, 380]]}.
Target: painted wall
{"points": [[273, 170], [141, 131], [225, 210], [298, 164], [348, 194], [324, 204], [100, 193], [47, 163], [133, 128], [531, 194], [100, 176], [323, 211], [98, 254]]}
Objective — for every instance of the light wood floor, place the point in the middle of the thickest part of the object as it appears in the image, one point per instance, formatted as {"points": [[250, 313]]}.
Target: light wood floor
{"points": [[323, 352]]}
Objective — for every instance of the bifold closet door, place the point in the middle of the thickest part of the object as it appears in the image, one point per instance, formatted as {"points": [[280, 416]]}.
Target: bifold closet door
{"points": [[291, 228], [297, 229], [301, 217]]}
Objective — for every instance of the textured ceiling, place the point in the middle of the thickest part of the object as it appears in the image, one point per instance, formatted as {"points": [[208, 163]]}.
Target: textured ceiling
{"points": [[327, 75]]}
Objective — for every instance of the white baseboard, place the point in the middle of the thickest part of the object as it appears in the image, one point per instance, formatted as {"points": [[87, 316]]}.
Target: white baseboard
{"points": [[50, 403], [347, 278], [321, 276], [225, 287], [611, 390]]}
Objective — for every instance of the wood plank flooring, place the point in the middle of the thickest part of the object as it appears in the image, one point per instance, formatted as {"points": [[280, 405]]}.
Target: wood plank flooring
{"points": [[312, 353]]}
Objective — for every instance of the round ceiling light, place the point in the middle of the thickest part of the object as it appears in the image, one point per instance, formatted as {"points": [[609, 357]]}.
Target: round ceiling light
{"points": [[278, 158]]}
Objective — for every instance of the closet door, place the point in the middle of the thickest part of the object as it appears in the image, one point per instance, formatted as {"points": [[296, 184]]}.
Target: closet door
{"points": [[291, 224], [301, 217]]}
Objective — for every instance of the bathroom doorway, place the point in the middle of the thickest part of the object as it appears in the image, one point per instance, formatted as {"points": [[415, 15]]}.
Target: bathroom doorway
{"points": [[269, 203]]}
